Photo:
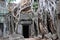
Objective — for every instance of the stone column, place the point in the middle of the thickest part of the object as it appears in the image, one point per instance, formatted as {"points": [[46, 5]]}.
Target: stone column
{"points": [[19, 30], [32, 32], [36, 21], [4, 30], [58, 27]]}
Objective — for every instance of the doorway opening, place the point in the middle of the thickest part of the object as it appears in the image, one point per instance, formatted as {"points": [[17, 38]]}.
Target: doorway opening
{"points": [[26, 31], [1, 28]]}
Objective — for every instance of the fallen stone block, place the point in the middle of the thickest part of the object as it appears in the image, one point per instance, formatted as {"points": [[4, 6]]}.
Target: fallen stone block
{"points": [[49, 35], [39, 36]]}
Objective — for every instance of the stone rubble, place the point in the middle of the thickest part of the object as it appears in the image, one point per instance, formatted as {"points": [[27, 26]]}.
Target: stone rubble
{"points": [[49, 35], [54, 36]]}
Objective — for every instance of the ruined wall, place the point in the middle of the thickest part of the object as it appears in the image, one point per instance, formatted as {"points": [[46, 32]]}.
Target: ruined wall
{"points": [[58, 18]]}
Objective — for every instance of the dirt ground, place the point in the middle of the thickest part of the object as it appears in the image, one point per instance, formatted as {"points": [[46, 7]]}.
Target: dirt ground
{"points": [[25, 39]]}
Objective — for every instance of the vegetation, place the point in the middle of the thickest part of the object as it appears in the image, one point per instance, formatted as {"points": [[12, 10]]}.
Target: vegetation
{"points": [[35, 6]]}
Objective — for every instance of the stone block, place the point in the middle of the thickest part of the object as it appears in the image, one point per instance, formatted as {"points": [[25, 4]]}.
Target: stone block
{"points": [[54, 36], [49, 35]]}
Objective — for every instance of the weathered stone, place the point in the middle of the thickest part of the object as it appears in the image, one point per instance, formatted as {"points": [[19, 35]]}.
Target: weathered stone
{"points": [[39, 36], [16, 37], [54, 36], [49, 35], [19, 30], [49, 39], [0, 33], [44, 39]]}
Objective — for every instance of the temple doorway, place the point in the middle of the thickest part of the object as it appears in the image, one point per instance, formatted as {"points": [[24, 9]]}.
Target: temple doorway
{"points": [[26, 31]]}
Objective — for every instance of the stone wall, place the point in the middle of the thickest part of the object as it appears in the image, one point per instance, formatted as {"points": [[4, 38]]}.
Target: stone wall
{"points": [[58, 18]]}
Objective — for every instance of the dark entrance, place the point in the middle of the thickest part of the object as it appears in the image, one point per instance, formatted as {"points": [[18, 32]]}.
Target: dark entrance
{"points": [[1, 27], [26, 31]]}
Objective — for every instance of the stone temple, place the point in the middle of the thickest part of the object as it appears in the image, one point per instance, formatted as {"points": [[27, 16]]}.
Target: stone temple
{"points": [[38, 19]]}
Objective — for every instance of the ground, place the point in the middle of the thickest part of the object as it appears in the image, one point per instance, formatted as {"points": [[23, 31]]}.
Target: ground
{"points": [[25, 39]]}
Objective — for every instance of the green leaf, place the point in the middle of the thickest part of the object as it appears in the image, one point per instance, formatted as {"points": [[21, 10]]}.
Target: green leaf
{"points": [[35, 6]]}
